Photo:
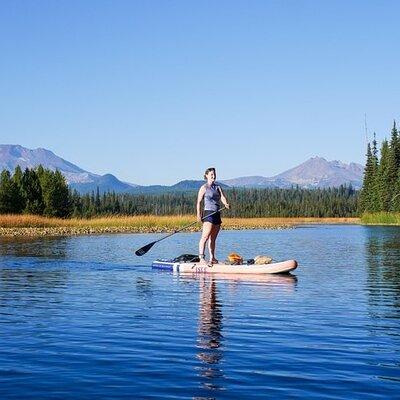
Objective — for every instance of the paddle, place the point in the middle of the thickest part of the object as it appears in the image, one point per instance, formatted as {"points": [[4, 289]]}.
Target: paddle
{"points": [[143, 250]]}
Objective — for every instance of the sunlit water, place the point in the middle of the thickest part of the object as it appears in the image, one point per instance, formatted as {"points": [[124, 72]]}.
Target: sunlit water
{"points": [[82, 317]]}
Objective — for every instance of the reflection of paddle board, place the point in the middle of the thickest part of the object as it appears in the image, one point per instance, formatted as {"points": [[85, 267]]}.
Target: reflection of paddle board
{"points": [[197, 268], [266, 280]]}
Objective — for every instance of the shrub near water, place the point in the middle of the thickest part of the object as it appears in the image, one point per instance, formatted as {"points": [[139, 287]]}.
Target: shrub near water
{"points": [[381, 218]]}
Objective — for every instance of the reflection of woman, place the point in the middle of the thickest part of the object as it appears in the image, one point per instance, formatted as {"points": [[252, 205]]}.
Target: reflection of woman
{"points": [[210, 338], [210, 326], [213, 196]]}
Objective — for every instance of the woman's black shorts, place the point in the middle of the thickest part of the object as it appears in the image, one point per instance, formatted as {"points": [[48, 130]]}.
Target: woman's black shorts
{"points": [[215, 219]]}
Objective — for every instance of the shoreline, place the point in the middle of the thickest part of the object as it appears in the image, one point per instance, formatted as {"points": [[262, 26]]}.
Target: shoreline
{"points": [[31, 226]]}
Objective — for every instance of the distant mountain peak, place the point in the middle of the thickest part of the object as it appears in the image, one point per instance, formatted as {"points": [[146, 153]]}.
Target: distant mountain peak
{"points": [[13, 155], [317, 158], [316, 172]]}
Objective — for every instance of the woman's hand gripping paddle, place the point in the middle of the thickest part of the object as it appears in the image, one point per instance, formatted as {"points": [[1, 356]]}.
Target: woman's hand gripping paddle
{"points": [[143, 250]]}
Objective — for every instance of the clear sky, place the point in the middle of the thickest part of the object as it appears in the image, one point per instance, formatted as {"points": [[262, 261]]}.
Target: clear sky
{"points": [[156, 91]]}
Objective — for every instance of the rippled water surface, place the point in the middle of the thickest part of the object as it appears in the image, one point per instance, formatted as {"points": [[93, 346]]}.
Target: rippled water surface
{"points": [[82, 317]]}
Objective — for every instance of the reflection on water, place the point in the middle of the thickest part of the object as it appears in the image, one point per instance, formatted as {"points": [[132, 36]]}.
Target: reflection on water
{"points": [[210, 341], [383, 260], [144, 288], [31, 287], [47, 247], [210, 337], [383, 286], [25, 274]]}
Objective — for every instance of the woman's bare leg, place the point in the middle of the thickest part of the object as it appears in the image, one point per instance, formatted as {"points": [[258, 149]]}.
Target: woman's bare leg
{"points": [[207, 228], [211, 243]]}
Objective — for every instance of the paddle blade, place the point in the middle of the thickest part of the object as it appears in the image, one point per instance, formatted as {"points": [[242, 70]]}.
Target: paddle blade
{"points": [[144, 249]]}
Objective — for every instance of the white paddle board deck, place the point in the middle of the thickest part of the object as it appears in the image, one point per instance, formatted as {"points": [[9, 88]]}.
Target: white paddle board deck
{"points": [[195, 267]]}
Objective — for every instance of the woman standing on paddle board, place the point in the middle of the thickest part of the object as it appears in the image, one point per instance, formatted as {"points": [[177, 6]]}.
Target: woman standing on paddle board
{"points": [[213, 196]]}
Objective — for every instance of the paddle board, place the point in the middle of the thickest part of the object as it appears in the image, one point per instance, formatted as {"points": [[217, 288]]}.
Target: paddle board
{"points": [[195, 267]]}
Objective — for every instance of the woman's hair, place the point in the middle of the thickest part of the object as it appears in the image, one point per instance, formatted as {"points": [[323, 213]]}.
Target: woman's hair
{"points": [[211, 169]]}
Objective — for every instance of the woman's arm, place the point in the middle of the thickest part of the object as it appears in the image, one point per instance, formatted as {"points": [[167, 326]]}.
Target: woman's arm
{"points": [[223, 198], [200, 196]]}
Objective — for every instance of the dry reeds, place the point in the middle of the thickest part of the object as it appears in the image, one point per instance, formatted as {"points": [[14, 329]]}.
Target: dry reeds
{"points": [[248, 223], [33, 225]]}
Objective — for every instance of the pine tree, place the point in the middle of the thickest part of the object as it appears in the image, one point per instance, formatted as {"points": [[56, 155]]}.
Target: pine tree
{"points": [[395, 144], [32, 192], [367, 196], [383, 181], [55, 192], [390, 178], [8, 193], [396, 197], [97, 200], [45, 177], [394, 164], [375, 196], [76, 204], [20, 200], [61, 201]]}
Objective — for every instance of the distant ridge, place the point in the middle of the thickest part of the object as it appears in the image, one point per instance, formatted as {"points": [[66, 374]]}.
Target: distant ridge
{"points": [[316, 172], [105, 183], [182, 186]]}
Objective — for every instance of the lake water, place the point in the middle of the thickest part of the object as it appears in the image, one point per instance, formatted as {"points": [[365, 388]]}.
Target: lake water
{"points": [[82, 317]]}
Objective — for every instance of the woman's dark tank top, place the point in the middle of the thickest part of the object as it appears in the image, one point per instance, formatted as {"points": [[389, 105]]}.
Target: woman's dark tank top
{"points": [[212, 198]]}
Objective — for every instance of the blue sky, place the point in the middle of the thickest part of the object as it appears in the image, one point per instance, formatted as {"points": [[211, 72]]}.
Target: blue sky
{"points": [[156, 91]]}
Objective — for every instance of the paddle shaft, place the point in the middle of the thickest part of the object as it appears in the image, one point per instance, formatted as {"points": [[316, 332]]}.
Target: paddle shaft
{"points": [[143, 250], [187, 226]]}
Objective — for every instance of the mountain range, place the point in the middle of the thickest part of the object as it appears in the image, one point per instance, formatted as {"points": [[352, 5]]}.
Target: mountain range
{"points": [[316, 172]]}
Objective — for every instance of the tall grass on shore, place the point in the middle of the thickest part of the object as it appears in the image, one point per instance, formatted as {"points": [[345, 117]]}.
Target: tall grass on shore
{"points": [[381, 218], [139, 221], [151, 222]]}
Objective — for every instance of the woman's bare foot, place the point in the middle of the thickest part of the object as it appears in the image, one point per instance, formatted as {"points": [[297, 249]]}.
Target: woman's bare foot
{"points": [[214, 261], [203, 261]]}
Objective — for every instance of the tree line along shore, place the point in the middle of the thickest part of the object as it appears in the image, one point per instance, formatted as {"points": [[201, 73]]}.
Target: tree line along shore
{"points": [[43, 192]]}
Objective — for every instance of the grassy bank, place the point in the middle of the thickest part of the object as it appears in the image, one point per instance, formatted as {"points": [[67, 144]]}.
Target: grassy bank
{"points": [[381, 218], [32, 225]]}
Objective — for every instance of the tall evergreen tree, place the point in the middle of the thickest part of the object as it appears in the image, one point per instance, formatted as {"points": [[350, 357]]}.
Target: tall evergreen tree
{"points": [[367, 196], [395, 201], [97, 200], [20, 200], [8, 193], [61, 202], [374, 198], [394, 164], [76, 204], [55, 193], [384, 182], [32, 192], [390, 178], [46, 182], [395, 144]]}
